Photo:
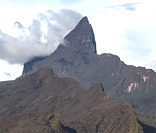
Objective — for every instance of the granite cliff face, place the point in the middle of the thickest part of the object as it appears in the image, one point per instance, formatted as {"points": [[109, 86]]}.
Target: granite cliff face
{"points": [[77, 58], [42, 102]]}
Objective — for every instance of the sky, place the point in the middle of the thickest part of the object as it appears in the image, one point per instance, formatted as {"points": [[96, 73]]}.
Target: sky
{"points": [[126, 28]]}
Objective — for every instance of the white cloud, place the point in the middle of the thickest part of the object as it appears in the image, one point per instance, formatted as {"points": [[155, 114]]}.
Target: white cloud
{"points": [[39, 39]]}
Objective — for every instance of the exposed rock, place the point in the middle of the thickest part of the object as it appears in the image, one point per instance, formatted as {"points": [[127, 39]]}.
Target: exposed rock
{"points": [[57, 126]]}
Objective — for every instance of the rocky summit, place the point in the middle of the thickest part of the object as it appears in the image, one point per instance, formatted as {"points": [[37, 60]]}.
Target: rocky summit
{"points": [[77, 58]]}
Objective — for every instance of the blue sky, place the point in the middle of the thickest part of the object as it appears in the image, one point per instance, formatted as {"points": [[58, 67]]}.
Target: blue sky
{"points": [[125, 28]]}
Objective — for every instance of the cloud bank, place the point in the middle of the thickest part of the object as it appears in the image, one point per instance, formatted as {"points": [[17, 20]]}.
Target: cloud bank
{"points": [[41, 38]]}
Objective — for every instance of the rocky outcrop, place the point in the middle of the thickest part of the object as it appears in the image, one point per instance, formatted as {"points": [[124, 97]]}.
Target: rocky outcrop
{"points": [[57, 126]]}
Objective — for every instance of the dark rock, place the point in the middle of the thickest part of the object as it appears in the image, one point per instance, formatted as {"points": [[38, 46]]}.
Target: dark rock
{"points": [[28, 65]]}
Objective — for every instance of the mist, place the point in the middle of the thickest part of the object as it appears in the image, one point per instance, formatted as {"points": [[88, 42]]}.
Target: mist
{"points": [[41, 38]]}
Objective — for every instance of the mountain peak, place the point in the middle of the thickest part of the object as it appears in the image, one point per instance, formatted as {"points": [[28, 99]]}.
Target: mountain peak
{"points": [[82, 37], [83, 21]]}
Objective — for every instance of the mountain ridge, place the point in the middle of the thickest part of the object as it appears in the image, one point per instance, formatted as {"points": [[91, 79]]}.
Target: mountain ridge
{"points": [[30, 99], [79, 60]]}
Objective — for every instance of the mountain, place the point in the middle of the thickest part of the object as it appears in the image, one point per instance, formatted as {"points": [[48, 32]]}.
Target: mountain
{"points": [[42, 102], [77, 58]]}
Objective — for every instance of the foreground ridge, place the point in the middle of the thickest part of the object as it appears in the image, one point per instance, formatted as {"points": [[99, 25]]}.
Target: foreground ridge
{"points": [[47, 103]]}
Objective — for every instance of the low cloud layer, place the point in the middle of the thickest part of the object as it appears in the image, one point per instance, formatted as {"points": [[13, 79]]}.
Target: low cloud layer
{"points": [[41, 38]]}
